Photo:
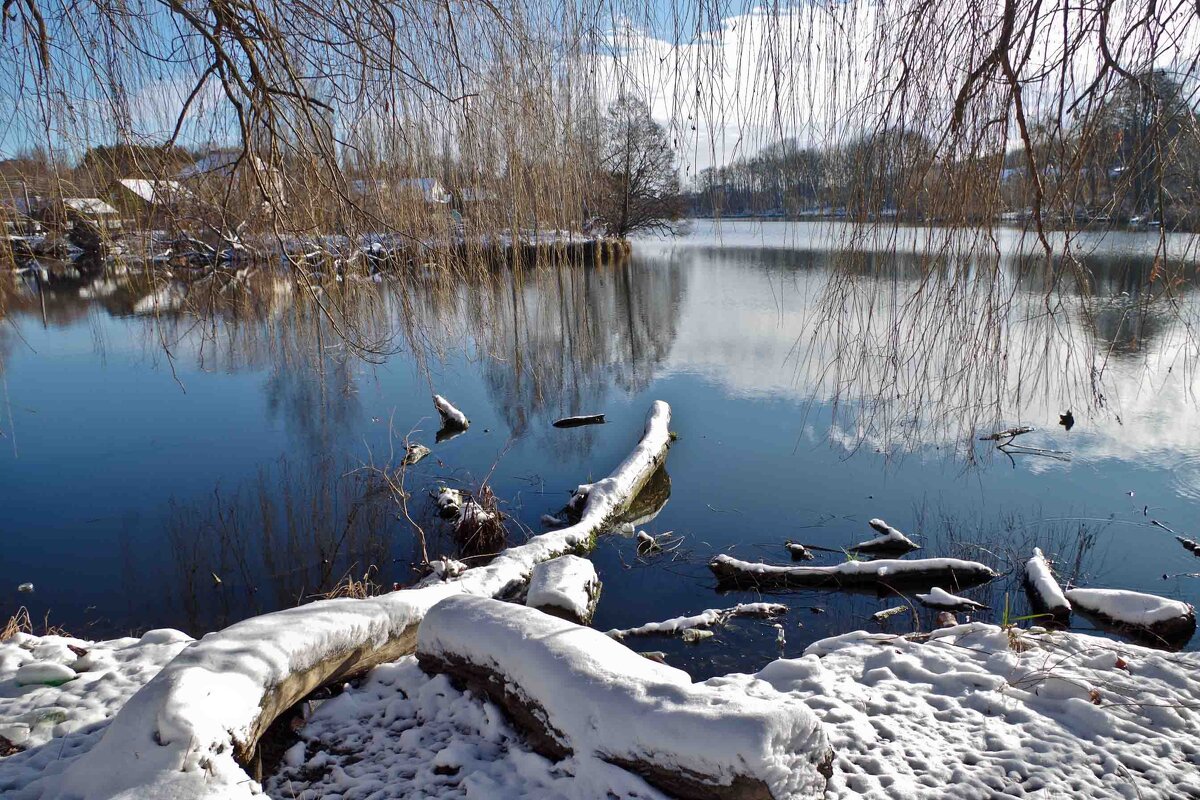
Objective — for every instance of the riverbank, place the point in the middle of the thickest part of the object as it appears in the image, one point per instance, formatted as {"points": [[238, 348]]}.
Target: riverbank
{"points": [[971, 710]]}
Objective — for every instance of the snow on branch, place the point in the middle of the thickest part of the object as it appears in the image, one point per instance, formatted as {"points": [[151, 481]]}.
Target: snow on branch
{"points": [[574, 691], [1044, 592], [889, 540], [705, 619], [882, 572]]}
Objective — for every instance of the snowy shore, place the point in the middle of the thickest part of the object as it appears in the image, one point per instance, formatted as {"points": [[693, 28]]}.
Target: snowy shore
{"points": [[970, 712]]}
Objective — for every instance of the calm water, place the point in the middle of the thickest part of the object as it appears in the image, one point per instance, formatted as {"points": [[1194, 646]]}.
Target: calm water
{"points": [[141, 457]]}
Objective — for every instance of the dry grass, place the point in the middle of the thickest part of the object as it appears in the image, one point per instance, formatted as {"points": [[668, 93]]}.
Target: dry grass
{"points": [[357, 589], [17, 623]]}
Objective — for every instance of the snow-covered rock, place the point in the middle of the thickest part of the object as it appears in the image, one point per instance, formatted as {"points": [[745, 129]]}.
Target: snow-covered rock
{"points": [[46, 672], [940, 598], [579, 692], [566, 587], [451, 416]]}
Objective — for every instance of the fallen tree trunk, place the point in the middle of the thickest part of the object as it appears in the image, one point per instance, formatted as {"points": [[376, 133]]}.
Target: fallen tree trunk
{"points": [[1045, 595], [573, 690], [1158, 621], [192, 730], [882, 573]]}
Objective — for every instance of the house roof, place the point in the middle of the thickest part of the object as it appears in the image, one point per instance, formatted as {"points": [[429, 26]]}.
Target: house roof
{"points": [[154, 192], [88, 205], [220, 162]]}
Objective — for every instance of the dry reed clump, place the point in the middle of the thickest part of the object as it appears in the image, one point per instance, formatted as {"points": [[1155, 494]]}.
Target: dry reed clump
{"points": [[479, 524], [17, 623], [357, 589]]}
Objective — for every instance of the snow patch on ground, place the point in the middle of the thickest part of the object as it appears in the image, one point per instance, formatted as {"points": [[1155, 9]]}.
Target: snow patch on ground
{"points": [[55, 724], [967, 715], [402, 734]]}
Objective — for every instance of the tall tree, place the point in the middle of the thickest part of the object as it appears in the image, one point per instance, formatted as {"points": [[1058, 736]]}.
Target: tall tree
{"points": [[639, 184]]}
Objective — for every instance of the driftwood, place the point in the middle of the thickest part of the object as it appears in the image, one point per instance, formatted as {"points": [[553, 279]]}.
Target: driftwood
{"points": [[1171, 626], [890, 541], [571, 690], [705, 619], [207, 709], [575, 422], [1045, 595], [883, 573]]}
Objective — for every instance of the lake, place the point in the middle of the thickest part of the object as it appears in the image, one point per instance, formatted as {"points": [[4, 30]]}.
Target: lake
{"points": [[209, 451]]}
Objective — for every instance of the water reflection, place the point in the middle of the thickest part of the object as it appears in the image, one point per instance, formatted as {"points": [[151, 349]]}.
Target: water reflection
{"points": [[239, 408]]}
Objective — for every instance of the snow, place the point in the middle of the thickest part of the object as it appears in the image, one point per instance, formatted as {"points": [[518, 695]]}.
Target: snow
{"points": [[889, 537], [604, 699], [713, 616], [451, 416], [966, 714], [879, 567], [798, 551], [1132, 608], [89, 205], [155, 192], [1040, 577], [56, 724], [401, 734], [940, 598], [568, 583], [47, 672]]}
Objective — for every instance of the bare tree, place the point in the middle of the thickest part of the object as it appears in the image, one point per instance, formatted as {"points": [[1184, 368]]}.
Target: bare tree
{"points": [[639, 184]]}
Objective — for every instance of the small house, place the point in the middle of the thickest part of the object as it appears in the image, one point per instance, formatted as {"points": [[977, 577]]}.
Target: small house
{"points": [[70, 210], [152, 203]]}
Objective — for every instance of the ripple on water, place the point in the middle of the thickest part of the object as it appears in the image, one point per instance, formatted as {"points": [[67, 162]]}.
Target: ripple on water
{"points": [[1185, 477]]}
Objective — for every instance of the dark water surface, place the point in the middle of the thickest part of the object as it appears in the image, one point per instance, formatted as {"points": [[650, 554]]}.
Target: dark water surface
{"points": [[143, 453]]}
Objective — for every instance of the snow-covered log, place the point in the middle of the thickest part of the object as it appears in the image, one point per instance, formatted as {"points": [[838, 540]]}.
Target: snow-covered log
{"points": [[890, 540], [1044, 592], [920, 572], [941, 599], [1147, 616], [705, 619], [452, 418], [575, 422], [190, 731], [1189, 544], [574, 691], [567, 587]]}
